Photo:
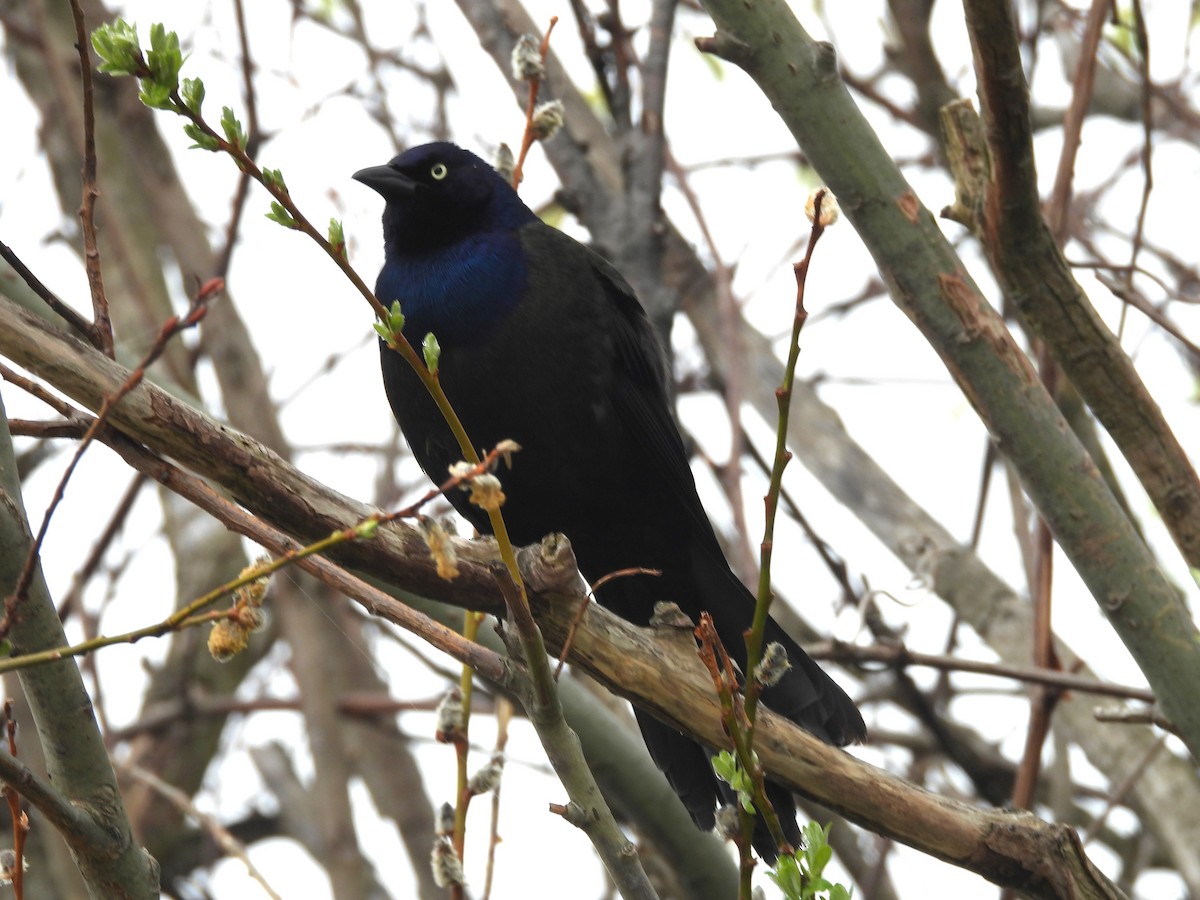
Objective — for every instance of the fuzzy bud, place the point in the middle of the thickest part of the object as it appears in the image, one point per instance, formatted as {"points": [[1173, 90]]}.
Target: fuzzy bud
{"points": [[8, 864], [729, 823], [506, 448], [829, 206], [488, 777], [527, 59], [773, 665], [548, 118], [445, 820], [450, 716], [227, 639], [460, 469], [504, 162], [486, 492], [447, 867], [440, 548]]}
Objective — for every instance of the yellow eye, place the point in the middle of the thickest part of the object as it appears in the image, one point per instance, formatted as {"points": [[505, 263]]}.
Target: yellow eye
{"points": [[439, 171]]}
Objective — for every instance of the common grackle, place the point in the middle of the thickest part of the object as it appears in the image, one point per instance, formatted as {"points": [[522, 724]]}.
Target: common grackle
{"points": [[542, 341]]}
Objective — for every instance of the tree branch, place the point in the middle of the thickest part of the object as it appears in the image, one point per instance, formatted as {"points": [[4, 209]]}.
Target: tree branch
{"points": [[1008, 848], [928, 281]]}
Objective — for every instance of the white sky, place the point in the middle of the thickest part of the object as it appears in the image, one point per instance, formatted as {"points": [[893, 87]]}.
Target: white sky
{"points": [[887, 384]]}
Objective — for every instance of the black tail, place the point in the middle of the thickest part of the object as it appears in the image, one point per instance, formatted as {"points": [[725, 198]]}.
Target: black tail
{"points": [[805, 694]]}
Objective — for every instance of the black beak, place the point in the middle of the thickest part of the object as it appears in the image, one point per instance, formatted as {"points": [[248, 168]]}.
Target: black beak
{"points": [[385, 180]]}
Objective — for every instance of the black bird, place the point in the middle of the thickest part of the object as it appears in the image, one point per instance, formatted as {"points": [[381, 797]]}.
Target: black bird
{"points": [[542, 341]]}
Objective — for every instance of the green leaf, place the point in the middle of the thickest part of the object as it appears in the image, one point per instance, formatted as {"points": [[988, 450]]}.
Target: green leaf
{"points": [[395, 317], [788, 877], [274, 178], [393, 325], [432, 351], [155, 95], [117, 45], [234, 133], [820, 858], [279, 214], [337, 237], [729, 770], [165, 58], [192, 92], [204, 140]]}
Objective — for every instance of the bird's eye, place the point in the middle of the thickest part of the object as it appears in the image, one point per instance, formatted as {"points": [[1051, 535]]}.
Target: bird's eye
{"points": [[439, 171]]}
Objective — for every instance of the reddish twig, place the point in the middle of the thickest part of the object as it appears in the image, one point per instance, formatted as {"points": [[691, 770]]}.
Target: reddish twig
{"points": [[583, 608], [535, 85], [253, 135], [101, 325], [20, 821]]}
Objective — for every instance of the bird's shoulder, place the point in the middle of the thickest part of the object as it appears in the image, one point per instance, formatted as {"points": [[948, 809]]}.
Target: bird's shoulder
{"points": [[598, 304]]}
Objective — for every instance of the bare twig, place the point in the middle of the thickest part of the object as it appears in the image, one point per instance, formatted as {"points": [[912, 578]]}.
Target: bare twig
{"points": [[101, 324]]}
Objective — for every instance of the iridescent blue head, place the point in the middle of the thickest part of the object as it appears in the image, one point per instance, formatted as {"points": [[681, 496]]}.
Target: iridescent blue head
{"points": [[438, 194], [452, 246]]}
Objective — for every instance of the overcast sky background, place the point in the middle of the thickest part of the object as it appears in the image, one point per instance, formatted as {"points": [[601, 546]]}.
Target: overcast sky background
{"points": [[890, 388]]}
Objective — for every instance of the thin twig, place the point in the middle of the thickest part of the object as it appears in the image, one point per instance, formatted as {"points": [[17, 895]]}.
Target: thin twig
{"points": [[900, 655], [72, 318], [101, 324], [20, 821], [253, 136], [220, 834], [535, 85]]}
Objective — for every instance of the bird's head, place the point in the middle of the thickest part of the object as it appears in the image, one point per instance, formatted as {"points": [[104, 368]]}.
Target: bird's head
{"points": [[438, 194]]}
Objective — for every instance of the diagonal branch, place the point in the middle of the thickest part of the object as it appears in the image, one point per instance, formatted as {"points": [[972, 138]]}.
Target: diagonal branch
{"points": [[1013, 849], [1034, 274], [928, 281]]}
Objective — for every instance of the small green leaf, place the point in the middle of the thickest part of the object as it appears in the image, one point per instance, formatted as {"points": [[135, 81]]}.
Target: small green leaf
{"points": [[234, 133], [279, 214], [788, 877], [432, 351], [820, 858], [395, 317], [729, 770], [393, 325], [367, 528], [155, 95], [192, 92], [117, 45], [204, 140], [165, 58], [337, 236], [274, 178]]}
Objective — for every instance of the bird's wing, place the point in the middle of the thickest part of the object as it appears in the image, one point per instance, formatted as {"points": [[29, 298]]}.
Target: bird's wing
{"points": [[641, 400]]}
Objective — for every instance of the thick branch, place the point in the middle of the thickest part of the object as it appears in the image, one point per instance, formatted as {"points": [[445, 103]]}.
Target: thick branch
{"points": [[98, 832], [633, 662], [1030, 267], [928, 281]]}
